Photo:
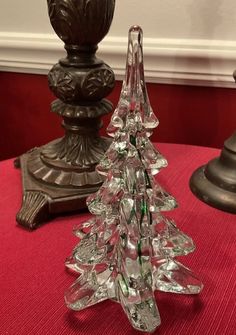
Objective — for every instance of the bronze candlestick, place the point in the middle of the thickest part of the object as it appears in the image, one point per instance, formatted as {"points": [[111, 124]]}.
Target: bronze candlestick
{"points": [[58, 176], [215, 182]]}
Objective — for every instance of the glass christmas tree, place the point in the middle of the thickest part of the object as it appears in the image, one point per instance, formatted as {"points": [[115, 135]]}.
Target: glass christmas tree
{"points": [[127, 249]]}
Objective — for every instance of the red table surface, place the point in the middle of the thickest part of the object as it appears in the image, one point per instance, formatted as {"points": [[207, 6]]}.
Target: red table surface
{"points": [[33, 277]]}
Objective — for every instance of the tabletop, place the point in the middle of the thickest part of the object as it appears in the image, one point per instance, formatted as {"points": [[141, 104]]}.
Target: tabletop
{"points": [[33, 277]]}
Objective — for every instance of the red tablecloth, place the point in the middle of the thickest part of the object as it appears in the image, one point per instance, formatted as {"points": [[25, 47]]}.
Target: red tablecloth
{"points": [[33, 278]]}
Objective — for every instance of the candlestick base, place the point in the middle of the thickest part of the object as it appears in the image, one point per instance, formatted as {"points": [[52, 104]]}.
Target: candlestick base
{"points": [[42, 200], [215, 183]]}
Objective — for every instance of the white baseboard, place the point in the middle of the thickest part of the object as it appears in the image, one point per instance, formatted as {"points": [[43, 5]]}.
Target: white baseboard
{"points": [[169, 61]]}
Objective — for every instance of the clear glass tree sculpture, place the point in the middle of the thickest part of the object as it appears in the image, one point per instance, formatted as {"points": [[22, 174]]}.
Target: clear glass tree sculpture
{"points": [[127, 250]]}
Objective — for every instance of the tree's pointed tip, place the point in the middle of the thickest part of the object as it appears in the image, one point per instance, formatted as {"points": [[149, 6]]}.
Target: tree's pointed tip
{"points": [[135, 28]]}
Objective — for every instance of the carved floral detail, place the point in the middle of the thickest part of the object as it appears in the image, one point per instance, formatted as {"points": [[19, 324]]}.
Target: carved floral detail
{"points": [[77, 151], [62, 83], [98, 83]]}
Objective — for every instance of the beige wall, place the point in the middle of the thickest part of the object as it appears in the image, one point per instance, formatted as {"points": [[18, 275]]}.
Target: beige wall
{"points": [[185, 40], [191, 19]]}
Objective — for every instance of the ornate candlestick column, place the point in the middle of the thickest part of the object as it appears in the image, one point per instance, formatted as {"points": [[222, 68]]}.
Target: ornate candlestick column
{"points": [[59, 176]]}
